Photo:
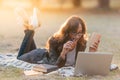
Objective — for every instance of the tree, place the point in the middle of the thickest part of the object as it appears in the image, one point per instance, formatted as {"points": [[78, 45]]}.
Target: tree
{"points": [[76, 3], [104, 4]]}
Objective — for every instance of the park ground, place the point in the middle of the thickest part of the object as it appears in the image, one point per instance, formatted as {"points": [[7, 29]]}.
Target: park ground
{"points": [[104, 22]]}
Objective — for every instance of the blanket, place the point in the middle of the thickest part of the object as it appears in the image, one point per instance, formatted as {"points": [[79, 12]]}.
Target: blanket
{"points": [[10, 59]]}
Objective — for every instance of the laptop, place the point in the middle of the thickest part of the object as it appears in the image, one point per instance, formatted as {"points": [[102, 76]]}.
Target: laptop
{"points": [[93, 63]]}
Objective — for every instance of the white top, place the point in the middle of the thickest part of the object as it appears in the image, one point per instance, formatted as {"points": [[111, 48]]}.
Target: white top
{"points": [[70, 61]]}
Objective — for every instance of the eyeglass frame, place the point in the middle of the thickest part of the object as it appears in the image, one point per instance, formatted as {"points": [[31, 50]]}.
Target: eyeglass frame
{"points": [[79, 33]]}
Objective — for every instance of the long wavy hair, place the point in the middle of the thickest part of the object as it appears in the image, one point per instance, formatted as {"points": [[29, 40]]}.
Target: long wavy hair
{"points": [[71, 25]]}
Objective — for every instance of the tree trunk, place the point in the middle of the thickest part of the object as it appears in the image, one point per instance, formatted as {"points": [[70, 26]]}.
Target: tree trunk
{"points": [[104, 3], [76, 3]]}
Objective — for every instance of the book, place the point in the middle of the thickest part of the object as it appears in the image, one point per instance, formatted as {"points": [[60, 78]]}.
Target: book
{"points": [[95, 38], [44, 68], [32, 73]]}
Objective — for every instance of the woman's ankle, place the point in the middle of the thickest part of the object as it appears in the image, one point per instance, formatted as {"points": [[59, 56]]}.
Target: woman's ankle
{"points": [[28, 27]]}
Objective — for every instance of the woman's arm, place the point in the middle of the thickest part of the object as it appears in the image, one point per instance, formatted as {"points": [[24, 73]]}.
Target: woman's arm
{"points": [[59, 57], [58, 60], [55, 57], [67, 47]]}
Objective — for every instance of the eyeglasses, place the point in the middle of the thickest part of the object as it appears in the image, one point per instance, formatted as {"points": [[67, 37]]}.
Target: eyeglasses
{"points": [[79, 33]]}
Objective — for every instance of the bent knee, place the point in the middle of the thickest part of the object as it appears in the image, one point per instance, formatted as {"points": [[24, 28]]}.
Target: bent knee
{"points": [[24, 58], [20, 58]]}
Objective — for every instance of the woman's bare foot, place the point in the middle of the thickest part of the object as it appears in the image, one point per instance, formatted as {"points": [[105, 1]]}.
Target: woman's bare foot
{"points": [[24, 20], [22, 17], [34, 21]]}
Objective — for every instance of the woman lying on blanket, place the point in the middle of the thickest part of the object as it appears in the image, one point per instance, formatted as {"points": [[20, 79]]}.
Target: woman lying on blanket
{"points": [[70, 38]]}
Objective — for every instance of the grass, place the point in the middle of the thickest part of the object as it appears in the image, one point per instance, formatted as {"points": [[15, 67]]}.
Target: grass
{"points": [[107, 24], [12, 73]]}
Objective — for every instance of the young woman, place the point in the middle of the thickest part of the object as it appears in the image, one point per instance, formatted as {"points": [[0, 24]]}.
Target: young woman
{"points": [[61, 48]]}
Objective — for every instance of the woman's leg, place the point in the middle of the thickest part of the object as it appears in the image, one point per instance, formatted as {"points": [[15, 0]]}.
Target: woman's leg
{"points": [[28, 43], [26, 52]]}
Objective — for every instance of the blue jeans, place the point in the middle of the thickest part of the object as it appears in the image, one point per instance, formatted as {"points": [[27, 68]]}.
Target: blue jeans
{"points": [[28, 51], [28, 43]]}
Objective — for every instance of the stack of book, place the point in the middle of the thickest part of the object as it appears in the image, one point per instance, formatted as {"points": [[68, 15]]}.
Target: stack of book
{"points": [[32, 73], [45, 68]]}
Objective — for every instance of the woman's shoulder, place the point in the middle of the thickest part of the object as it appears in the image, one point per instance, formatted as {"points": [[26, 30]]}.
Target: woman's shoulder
{"points": [[52, 39]]}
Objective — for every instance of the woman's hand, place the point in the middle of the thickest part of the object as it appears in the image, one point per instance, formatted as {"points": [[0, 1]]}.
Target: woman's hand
{"points": [[67, 47], [94, 47]]}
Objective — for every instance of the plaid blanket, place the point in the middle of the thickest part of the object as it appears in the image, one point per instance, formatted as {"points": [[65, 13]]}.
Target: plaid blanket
{"points": [[11, 60]]}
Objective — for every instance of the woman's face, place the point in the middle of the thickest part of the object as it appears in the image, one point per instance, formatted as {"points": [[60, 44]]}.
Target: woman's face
{"points": [[78, 34]]}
